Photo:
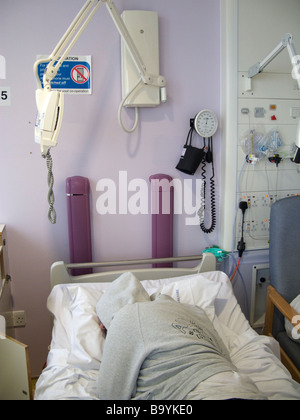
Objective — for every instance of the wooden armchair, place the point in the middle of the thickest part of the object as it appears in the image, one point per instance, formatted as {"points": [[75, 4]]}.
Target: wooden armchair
{"points": [[274, 299], [284, 278]]}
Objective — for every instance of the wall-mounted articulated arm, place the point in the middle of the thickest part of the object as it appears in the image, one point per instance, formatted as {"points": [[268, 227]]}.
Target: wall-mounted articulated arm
{"points": [[286, 42], [148, 79], [63, 48], [66, 43], [50, 104]]}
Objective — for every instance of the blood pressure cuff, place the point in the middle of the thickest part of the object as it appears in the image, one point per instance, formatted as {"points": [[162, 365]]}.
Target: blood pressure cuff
{"points": [[190, 159]]}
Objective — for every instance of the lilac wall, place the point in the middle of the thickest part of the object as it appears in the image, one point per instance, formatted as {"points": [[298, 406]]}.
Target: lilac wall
{"points": [[91, 143]]}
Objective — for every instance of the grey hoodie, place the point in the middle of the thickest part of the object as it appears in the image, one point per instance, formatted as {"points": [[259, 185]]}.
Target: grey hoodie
{"points": [[155, 349], [126, 290]]}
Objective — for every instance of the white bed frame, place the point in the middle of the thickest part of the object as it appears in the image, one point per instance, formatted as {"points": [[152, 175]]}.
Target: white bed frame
{"points": [[275, 383], [60, 271]]}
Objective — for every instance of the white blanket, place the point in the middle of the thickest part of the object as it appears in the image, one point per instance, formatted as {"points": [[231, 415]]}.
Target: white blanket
{"points": [[77, 342]]}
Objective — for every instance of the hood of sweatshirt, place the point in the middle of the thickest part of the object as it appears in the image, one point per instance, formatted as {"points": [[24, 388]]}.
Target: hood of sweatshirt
{"points": [[126, 290]]}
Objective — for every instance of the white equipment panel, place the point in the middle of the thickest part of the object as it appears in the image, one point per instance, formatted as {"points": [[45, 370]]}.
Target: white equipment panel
{"points": [[270, 103], [273, 104]]}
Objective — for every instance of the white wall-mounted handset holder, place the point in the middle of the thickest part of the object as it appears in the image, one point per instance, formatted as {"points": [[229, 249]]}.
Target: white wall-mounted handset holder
{"points": [[143, 29]]}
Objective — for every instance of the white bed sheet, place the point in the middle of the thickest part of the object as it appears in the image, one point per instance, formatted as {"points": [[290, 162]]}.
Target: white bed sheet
{"points": [[77, 342]]}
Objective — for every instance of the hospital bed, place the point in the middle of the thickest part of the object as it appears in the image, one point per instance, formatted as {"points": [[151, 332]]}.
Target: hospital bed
{"points": [[77, 342]]}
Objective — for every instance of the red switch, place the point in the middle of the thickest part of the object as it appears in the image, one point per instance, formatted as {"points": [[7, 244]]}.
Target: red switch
{"points": [[273, 118]]}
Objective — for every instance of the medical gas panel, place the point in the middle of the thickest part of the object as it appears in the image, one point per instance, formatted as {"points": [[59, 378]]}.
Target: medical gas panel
{"points": [[265, 115], [267, 124]]}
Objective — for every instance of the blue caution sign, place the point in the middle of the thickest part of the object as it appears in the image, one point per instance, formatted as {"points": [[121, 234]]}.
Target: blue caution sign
{"points": [[74, 75]]}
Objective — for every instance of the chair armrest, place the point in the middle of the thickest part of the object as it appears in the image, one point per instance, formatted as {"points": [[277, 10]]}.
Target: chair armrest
{"points": [[2, 274], [274, 299]]}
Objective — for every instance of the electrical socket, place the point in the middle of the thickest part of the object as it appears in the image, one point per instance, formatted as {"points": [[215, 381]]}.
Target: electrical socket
{"points": [[18, 319]]}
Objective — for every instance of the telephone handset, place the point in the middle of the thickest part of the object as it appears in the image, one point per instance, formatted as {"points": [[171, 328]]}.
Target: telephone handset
{"points": [[206, 125]]}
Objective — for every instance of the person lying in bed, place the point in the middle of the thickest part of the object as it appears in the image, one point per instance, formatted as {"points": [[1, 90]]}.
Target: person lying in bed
{"points": [[158, 349]]}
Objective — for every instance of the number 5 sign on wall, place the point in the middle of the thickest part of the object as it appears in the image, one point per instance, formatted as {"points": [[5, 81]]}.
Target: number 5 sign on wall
{"points": [[4, 96]]}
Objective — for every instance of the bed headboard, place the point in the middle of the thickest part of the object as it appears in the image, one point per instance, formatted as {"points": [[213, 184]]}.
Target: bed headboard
{"points": [[59, 273]]}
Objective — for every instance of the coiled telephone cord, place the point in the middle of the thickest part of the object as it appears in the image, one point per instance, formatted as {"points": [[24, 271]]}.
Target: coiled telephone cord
{"points": [[51, 198]]}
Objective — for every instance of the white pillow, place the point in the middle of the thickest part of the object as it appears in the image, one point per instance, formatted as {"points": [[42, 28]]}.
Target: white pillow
{"points": [[295, 336], [75, 310], [195, 290]]}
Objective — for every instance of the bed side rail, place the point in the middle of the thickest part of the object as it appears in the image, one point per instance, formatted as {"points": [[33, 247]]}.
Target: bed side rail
{"points": [[60, 271]]}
